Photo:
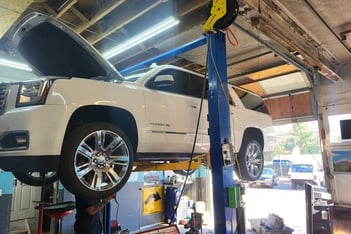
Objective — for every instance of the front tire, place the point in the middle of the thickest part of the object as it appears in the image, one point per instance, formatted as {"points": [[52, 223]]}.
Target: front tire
{"points": [[251, 161], [96, 160]]}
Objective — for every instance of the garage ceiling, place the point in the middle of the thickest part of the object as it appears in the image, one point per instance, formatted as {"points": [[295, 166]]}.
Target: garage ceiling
{"points": [[279, 50]]}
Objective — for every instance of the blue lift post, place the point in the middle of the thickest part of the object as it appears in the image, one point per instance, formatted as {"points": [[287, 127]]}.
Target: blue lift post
{"points": [[169, 54], [225, 217]]}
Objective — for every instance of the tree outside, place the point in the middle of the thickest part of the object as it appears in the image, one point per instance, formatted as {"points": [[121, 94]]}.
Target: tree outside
{"points": [[304, 135]]}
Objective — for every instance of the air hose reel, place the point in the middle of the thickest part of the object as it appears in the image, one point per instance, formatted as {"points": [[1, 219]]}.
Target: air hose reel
{"points": [[221, 14]]}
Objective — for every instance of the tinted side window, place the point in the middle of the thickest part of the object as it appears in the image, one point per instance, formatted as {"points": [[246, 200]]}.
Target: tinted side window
{"points": [[195, 86], [184, 83], [180, 82], [251, 101]]}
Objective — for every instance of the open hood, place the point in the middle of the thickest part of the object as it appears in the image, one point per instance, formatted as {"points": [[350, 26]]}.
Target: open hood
{"points": [[53, 49]]}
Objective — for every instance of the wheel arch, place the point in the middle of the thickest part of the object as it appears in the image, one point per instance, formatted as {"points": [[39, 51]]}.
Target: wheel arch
{"points": [[254, 133], [114, 115]]}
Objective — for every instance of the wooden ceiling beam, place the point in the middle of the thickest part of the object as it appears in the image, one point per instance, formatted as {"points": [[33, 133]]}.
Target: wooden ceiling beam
{"points": [[192, 6], [278, 26], [64, 8], [79, 14], [131, 17], [118, 25], [272, 72], [102, 13]]}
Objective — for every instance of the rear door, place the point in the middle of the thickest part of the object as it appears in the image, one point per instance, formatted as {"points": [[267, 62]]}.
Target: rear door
{"points": [[172, 111]]}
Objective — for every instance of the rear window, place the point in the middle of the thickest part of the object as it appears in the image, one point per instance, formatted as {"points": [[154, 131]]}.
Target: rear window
{"points": [[302, 168], [267, 171], [251, 101], [281, 163]]}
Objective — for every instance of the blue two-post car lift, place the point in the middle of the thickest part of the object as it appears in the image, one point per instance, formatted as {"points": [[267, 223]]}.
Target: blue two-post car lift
{"points": [[228, 214], [225, 189]]}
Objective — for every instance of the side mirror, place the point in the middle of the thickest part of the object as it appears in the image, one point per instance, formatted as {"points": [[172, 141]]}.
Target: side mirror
{"points": [[163, 80]]}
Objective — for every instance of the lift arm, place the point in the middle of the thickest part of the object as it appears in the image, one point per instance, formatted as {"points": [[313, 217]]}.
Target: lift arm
{"points": [[203, 159]]}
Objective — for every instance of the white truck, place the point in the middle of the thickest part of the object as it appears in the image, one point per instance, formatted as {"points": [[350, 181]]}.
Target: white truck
{"points": [[306, 172], [80, 117]]}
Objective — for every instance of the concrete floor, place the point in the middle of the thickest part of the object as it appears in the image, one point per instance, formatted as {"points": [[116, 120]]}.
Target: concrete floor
{"points": [[205, 230]]}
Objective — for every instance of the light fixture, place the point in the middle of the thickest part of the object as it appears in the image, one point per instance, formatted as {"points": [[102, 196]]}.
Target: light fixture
{"points": [[147, 34], [14, 64]]}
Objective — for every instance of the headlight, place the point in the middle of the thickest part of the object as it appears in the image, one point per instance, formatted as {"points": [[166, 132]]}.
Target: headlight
{"points": [[32, 93]]}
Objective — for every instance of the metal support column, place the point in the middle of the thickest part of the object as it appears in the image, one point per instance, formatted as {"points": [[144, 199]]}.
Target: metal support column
{"points": [[107, 218], [225, 218]]}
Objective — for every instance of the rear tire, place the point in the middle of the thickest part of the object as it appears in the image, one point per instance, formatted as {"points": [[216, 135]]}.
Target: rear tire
{"points": [[250, 160], [36, 178], [96, 160]]}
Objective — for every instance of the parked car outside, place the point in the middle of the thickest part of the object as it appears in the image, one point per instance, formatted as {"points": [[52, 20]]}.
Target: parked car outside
{"points": [[306, 172], [281, 164], [83, 117], [268, 178]]}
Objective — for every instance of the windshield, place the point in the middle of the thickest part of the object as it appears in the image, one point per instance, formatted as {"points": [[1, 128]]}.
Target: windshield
{"points": [[134, 76], [302, 168], [267, 171]]}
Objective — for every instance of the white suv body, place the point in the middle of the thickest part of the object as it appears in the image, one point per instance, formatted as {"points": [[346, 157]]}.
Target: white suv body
{"points": [[81, 117]]}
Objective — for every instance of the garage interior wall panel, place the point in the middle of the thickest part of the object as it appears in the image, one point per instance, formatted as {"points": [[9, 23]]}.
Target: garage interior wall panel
{"points": [[293, 106], [6, 189]]}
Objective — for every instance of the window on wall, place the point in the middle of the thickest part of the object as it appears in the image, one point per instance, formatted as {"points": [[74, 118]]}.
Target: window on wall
{"points": [[339, 128]]}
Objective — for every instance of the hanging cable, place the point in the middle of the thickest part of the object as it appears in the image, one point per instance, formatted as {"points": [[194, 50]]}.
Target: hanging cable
{"points": [[203, 92]]}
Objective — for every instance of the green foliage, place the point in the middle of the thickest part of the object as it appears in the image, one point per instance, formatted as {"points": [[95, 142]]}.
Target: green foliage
{"points": [[301, 135]]}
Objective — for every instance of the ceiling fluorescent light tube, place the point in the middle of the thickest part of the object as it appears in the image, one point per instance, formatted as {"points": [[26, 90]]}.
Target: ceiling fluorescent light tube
{"points": [[13, 64], [147, 34]]}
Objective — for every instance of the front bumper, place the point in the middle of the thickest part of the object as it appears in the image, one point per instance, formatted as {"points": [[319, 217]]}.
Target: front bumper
{"points": [[32, 131]]}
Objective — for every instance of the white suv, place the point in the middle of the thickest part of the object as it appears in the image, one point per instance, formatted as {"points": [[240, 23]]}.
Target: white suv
{"points": [[82, 119]]}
